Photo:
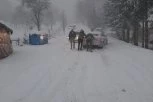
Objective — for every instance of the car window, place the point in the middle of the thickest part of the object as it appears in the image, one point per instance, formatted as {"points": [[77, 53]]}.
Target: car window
{"points": [[102, 34], [95, 35], [98, 29]]}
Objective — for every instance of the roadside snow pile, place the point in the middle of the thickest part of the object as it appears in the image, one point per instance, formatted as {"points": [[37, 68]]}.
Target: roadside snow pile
{"points": [[6, 23]]}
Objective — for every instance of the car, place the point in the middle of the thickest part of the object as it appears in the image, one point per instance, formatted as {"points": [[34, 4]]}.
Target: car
{"points": [[101, 32], [76, 29], [76, 38], [72, 26], [100, 40], [98, 29], [104, 37]]}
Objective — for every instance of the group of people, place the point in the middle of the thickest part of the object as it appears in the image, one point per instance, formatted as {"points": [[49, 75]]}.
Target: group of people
{"points": [[81, 38]]}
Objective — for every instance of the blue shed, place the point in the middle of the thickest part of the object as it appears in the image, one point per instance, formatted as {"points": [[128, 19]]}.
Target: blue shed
{"points": [[38, 39]]}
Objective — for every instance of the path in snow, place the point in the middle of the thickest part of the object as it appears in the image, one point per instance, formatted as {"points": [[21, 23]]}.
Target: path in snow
{"points": [[53, 73]]}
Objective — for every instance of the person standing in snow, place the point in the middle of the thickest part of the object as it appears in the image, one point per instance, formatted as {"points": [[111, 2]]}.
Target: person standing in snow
{"points": [[72, 36], [89, 42], [80, 40]]}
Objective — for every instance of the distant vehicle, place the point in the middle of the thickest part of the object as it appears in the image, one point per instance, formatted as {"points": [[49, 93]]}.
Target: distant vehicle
{"points": [[100, 39], [98, 29], [71, 27], [101, 32], [77, 36], [104, 37], [77, 31]]}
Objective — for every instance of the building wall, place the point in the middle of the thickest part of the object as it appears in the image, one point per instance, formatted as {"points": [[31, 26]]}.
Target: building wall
{"points": [[5, 44], [4, 38]]}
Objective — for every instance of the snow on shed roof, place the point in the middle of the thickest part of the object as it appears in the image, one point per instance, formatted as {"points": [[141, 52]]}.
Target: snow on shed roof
{"points": [[3, 26]]}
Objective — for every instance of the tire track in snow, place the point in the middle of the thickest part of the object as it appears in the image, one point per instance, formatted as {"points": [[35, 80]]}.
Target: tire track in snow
{"points": [[76, 84], [70, 88], [18, 91], [66, 53], [61, 84], [65, 56]]}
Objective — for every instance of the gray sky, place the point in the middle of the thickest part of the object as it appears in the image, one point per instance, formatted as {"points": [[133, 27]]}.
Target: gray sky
{"points": [[5, 9], [7, 6], [68, 6]]}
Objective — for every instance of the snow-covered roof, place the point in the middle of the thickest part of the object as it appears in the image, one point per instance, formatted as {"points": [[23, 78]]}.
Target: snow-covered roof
{"points": [[83, 27], [95, 32], [3, 26]]}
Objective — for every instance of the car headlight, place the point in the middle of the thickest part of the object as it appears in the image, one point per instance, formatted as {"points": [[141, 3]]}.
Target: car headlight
{"points": [[41, 37], [76, 37]]}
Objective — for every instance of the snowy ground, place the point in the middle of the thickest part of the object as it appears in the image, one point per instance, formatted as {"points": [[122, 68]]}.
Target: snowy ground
{"points": [[53, 73]]}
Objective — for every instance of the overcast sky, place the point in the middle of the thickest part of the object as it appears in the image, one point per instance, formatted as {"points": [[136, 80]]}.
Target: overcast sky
{"points": [[7, 6], [5, 9], [68, 6]]}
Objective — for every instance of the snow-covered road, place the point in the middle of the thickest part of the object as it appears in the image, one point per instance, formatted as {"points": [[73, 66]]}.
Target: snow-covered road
{"points": [[53, 73]]}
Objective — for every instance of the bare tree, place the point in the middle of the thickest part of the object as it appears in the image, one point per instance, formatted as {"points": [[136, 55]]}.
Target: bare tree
{"points": [[90, 13], [21, 16], [64, 20], [37, 8]]}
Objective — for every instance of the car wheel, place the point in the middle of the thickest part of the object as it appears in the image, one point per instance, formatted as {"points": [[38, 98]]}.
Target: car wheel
{"points": [[84, 46], [106, 42], [101, 46]]}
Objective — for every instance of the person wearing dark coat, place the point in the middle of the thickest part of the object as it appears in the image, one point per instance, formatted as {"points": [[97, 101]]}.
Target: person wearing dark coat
{"points": [[80, 39], [72, 36], [89, 41]]}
